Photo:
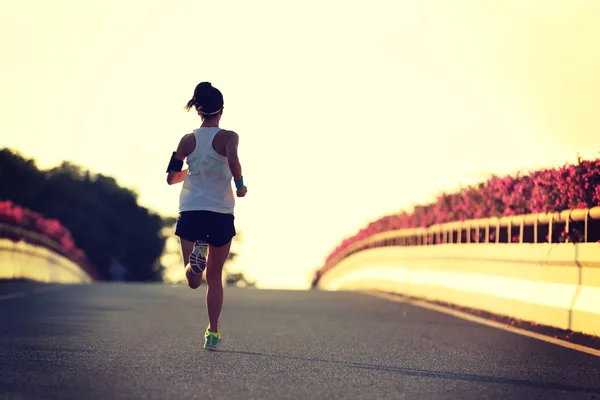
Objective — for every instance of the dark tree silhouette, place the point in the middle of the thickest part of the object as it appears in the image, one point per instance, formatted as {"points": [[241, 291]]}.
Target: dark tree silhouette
{"points": [[104, 218]]}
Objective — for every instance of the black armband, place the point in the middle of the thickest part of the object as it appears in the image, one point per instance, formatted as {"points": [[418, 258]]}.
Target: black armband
{"points": [[174, 164]]}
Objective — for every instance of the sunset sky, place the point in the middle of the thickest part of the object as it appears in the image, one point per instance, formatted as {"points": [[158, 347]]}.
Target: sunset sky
{"points": [[346, 110]]}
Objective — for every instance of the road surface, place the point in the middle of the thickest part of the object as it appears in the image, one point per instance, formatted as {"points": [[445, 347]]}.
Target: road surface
{"points": [[144, 341]]}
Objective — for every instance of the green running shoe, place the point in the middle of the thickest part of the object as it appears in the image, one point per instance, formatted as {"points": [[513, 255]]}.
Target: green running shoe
{"points": [[198, 257], [211, 340]]}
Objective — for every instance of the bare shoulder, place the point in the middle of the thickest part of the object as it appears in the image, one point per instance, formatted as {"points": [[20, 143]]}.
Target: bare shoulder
{"points": [[188, 138], [230, 134], [187, 144]]}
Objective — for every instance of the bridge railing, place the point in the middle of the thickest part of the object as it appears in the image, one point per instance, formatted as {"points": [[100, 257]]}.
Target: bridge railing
{"points": [[17, 234], [542, 268], [559, 227]]}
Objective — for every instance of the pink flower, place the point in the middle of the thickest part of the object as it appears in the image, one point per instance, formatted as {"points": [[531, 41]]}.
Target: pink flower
{"points": [[548, 190], [52, 228]]}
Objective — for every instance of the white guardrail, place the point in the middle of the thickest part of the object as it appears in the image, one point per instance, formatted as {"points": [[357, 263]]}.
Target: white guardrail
{"points": [[554, 284], [22, 260]]}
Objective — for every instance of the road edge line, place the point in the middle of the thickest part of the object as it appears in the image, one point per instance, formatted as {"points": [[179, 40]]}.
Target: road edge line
{"points": [[483, 321], [9, 296], [41, 290]]}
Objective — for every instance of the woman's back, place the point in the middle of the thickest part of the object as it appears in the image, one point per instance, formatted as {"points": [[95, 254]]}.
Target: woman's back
{"points": [[208, 183]]}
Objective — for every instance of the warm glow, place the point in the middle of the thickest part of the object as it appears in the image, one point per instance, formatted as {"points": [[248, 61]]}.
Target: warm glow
{"points": [[346, 110]]}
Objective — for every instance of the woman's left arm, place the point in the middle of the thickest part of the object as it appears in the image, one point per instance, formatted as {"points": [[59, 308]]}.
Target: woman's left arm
{"points": [[187, 144]]}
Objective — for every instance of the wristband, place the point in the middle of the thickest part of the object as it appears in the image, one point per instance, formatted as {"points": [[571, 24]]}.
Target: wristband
{"points": [[239, 184]]}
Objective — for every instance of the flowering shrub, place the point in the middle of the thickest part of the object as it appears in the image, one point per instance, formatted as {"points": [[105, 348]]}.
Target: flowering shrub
{"points": [[14, 215], [569, 187]]}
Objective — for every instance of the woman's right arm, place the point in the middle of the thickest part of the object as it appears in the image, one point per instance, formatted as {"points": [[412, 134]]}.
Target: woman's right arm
{"points": [[231, 149]]}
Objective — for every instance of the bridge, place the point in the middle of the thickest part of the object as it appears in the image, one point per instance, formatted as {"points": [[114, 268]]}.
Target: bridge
{"points": [[438, 313], [143, 341]]}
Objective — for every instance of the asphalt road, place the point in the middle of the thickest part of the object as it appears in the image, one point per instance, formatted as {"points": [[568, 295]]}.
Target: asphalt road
{"points": [[123, 341]]}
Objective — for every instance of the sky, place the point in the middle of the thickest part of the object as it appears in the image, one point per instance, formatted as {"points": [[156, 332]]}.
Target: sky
{"points": [[346, 110]]}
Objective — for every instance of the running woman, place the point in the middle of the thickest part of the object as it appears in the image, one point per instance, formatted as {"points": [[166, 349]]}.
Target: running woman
{"points": [[205, 225]]}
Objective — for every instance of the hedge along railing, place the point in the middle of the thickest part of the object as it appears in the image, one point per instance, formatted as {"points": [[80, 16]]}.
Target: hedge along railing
{"points": [[16, 234], [558, 227]]}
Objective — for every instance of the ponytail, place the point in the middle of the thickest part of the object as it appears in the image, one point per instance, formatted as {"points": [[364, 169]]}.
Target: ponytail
{"points": [[207, 99]]}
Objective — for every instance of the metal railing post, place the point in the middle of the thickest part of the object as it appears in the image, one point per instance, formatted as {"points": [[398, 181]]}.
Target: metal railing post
{"points": [[522, 229], [567, 227], [585, 226], [468, 228], [497, 232]]}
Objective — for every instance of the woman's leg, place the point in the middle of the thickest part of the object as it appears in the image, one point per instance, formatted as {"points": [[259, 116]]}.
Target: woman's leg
{"points": [[194, 281], [214, 294]]}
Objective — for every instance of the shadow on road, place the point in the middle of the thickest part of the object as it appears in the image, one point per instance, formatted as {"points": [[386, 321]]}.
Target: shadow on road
{"points": [[432, 374]]}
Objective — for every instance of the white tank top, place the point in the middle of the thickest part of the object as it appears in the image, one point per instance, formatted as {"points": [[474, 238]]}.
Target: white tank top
{"points": [[207, 185]]}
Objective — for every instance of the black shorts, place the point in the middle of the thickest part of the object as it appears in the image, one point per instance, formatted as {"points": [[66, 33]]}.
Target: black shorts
{"points": [[215, 228]]}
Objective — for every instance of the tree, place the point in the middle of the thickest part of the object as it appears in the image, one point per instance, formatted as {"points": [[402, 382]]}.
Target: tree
{"points": [[20, 179], [103, 217]]}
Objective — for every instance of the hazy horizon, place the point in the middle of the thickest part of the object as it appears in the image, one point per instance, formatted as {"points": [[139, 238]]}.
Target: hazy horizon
{"points": [[346, 112]]}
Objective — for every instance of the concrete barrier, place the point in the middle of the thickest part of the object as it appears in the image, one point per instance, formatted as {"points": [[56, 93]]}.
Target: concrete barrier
{"points": [[551, 284], [27, 261]]}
